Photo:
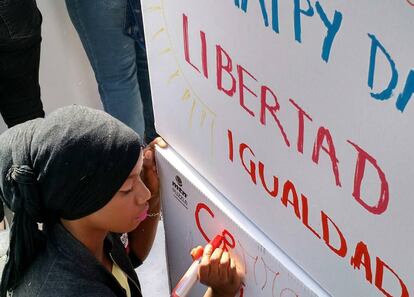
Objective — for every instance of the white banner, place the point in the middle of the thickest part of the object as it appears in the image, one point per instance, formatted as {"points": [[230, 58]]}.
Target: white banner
{"points": [[300, 112]]}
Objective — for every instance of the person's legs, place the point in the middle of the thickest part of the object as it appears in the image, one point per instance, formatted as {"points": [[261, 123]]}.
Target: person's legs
{"points": [[145, 90], [20, 39], [99, 24]]}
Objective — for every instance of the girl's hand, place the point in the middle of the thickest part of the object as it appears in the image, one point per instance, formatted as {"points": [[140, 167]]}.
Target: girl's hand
{"points": [[218, 271], [149, 174]]}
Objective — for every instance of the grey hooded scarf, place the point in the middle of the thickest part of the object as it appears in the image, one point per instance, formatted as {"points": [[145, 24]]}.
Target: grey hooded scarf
{"points": [[68, 165]]}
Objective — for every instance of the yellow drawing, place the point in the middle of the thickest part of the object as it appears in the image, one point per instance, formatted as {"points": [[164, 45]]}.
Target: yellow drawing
{"points": [[174, 75], [158, 33], [186, 94], [192, 112], [154, 8], [189, 95], [165, 51]]}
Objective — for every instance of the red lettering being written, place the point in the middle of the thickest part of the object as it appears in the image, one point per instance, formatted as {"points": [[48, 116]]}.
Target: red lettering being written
{"points": [[273, 192], [186, 42], [363, 156], [199, 207], [241, 71], [204, 53], [301, 125], [323, 134], [228, 67], [228, 239], [341, 251], [187, 48], [379, 275], [288, 292], [289, 190], [269, 104], [252, 169], [361, 257], [231, 146], [305, 215], [273, 109]]}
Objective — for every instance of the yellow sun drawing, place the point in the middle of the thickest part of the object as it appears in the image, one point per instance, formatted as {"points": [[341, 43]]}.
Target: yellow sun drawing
{"points": [[189, 96]]}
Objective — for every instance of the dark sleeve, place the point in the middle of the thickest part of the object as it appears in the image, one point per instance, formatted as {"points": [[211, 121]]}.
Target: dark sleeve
{"points": [[97, 293], [81, 288]]}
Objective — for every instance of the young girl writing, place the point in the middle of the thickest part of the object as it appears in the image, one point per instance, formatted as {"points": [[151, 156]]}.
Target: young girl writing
{"points": [[85, 177]]}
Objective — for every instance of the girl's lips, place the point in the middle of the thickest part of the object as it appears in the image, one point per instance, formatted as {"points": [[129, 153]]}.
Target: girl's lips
{"points": [[143, 215]]}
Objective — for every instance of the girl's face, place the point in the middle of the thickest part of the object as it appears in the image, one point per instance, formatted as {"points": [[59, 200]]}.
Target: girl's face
{"points": [[127, 208]]}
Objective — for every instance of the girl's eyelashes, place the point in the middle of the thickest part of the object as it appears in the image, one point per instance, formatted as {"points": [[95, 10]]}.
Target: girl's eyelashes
{"points": [[129, 187], [126, 189]]}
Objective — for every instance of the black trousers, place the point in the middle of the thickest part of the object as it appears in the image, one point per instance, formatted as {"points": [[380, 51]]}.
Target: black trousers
{"points": [[20, 38]]}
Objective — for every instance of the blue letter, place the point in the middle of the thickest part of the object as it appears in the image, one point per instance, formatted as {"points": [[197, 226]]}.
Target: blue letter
{"points": [[385, 94], [403, 98], [275, 16], [262, 6], [332, 30], [296, 12]]}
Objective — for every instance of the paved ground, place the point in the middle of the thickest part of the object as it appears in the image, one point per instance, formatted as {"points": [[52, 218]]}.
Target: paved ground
{"points": [[153, 273]]}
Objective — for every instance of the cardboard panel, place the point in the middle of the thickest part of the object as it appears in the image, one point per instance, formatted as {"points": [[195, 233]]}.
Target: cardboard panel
{"points": [[194, 212]]}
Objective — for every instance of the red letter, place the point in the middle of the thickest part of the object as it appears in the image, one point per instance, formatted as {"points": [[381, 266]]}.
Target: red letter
{"points": [[228, 68], [186, 45], [272, 193], [272, 109], [359, 175], [289, 187], [305, 212], [324, 133], [197, 218], [230, 137], [226, 243], [379, 274], [361, 256], [204, 53], [242, 86], [252, 170], [301, 115], [325, 230]]}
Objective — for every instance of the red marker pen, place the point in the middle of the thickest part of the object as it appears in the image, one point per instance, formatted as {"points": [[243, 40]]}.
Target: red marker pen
{"points": [[190, 277]]}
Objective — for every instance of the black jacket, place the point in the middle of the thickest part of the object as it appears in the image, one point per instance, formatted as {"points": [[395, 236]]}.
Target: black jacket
{"points": [[65, 268]]}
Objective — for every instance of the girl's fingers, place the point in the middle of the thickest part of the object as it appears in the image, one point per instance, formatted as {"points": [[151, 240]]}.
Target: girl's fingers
{"points": [[215, 264], [204, 267], [224, 267], [233, 275], [159, 142]]}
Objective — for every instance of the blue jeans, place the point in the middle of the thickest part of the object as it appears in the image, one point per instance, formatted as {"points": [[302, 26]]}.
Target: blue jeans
{"points": [[119, 63]]}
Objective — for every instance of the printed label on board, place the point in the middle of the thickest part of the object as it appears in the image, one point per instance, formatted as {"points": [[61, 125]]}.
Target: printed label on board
{"points": [[178, 191]]}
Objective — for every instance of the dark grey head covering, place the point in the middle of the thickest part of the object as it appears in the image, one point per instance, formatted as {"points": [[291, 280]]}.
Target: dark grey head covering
{"points": [[68, 165]]}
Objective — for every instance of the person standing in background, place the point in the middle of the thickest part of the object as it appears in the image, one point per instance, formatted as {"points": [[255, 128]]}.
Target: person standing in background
{"points": [[111, 34], [20, 38]]}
